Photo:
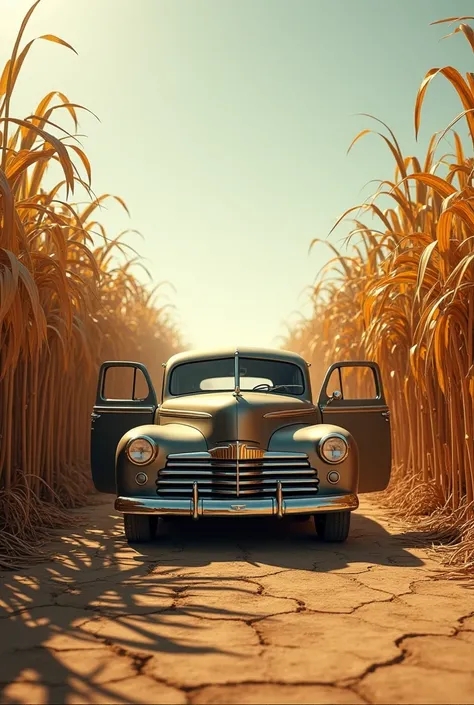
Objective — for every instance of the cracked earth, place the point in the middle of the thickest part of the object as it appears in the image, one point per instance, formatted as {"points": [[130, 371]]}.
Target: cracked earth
{"points": [[236, 611]]}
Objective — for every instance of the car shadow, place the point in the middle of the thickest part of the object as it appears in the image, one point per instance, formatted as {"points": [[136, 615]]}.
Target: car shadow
{"points": [[96, 578], [287, 543]]}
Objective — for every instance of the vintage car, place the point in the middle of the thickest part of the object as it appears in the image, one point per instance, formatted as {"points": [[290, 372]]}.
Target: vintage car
{"points": [[237, 434]]}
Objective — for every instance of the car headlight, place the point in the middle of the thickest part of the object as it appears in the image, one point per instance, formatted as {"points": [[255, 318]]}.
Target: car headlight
{"points": [[333, 448], [141, 450]]}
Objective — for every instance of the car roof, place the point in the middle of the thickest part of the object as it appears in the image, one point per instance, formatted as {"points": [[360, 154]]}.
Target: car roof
{"points": [[215, 353]]}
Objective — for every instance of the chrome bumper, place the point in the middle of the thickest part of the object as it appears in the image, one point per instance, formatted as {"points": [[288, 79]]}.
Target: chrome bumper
{"points": [[271, 506]]}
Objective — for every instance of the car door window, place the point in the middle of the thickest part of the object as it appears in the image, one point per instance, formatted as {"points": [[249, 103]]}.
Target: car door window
{"points": [[124, 383], [358, 383]]}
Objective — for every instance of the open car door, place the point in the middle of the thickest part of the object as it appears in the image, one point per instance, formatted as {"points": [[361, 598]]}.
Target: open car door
{"points": [[352, 397], [125, 399]]}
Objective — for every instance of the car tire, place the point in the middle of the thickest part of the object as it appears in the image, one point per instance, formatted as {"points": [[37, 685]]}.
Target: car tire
{"points": [[333, 527], [139, 528]]}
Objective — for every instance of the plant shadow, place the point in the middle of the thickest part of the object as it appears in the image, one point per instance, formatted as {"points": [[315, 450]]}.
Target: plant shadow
{"points": [[59, 619]]}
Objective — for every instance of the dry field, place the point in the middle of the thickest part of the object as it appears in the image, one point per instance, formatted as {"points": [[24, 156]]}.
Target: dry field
{"points": [[254, 612], [403, 295], [69, 299]]}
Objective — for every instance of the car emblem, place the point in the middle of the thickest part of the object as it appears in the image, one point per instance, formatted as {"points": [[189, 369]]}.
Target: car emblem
{"points": [[237, 451], [237, 507]]}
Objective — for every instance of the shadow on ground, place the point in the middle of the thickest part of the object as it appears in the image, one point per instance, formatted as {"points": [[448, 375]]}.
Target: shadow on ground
{"points": [[55, 612]]}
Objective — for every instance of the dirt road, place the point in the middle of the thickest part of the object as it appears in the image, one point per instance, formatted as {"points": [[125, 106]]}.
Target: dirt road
{"points": [[236, 612]]}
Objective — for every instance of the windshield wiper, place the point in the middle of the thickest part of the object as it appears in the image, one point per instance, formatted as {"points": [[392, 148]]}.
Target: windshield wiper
{"points": [[264, 387]]}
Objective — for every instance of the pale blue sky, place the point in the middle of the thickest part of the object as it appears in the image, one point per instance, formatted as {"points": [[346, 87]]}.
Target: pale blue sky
{"points": [[225, 124]]}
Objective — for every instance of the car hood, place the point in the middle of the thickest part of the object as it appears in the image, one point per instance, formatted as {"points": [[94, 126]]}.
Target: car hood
{"points": [[250, 417]]}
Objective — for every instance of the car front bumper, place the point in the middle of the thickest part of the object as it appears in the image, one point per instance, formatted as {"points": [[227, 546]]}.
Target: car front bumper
{"points": [[271, 506]]}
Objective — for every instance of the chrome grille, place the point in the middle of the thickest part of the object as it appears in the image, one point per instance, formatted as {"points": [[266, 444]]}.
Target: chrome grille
{"points": [[237, 478]]}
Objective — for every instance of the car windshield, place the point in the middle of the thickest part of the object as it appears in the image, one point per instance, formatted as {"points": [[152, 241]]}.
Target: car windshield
{"points": [[266, 376]]}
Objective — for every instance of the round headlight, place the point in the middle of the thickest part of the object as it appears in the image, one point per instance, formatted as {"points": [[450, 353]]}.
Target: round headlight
{"points": [[333, 449], [141, 450]]}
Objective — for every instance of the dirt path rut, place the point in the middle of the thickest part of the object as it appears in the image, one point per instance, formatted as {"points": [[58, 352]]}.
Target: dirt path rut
{"points": [[236, 612]]}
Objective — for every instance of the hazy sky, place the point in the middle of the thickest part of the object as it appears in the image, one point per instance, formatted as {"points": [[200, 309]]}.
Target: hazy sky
{"points": [[225, 124]]}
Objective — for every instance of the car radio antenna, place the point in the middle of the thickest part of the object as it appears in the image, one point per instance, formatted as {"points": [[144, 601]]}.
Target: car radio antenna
{"points": [[237, 375]]}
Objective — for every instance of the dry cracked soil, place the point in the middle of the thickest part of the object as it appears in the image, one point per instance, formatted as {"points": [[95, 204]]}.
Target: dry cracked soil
{"points": [[236, 611]]}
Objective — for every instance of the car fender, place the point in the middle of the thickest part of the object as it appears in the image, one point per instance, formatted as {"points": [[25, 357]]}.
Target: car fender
{"points": [[171, 438], [305, 439]]}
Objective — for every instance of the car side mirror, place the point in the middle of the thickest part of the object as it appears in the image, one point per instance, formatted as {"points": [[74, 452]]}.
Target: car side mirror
{"points": [[335, 396]]}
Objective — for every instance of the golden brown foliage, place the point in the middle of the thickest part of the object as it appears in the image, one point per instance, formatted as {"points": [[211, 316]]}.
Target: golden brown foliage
{"points": [[404, 297], [66, 304]]}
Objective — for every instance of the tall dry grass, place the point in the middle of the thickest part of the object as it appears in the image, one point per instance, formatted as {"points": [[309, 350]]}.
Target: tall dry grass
{"points": [[66, 304], [404, 296]]}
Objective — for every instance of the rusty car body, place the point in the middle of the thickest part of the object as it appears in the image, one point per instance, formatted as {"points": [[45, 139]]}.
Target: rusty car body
{"points": [[236, 433]]}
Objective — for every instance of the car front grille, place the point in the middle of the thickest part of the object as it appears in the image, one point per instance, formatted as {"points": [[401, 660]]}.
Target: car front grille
{"points": [[237, 478]]}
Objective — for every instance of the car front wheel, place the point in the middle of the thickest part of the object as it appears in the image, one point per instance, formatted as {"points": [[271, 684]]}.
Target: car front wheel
{"points": [[139, 528], [333, 526]]}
